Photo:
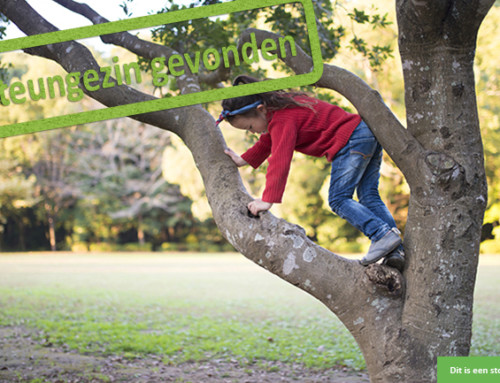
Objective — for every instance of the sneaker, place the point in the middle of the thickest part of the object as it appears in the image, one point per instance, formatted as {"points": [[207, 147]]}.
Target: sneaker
{"points": [[396, 259], [382, 247]]}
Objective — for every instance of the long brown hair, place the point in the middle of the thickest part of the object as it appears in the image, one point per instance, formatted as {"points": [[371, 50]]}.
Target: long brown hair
{"points": [[274, 100]]}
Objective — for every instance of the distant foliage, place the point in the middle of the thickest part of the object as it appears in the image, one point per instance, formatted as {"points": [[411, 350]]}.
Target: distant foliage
{"points": [[110, 184]]}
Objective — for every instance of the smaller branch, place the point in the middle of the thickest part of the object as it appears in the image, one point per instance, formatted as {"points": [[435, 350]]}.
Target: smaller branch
{"points": [[300, 63], [428, 22], [425, 14], [126, 40], [220, 74], [484, 6], [474, 12], [187, 84]]}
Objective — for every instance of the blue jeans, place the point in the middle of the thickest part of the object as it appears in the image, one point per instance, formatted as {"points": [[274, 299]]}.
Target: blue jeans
{"points": [[356, 167]]}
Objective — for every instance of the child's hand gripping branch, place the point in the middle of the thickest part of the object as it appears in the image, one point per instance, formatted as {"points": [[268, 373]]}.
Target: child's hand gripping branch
{"points": [[290, 121], [256, 205], [235, 157]]}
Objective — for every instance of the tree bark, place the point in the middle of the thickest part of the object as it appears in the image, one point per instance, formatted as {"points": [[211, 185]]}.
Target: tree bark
{"points": [[52, 228], [140, 232], [401, 324]]}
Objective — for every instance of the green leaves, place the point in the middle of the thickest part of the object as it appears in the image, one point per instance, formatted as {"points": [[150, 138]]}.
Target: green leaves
{"points": [[3, 67], [3, 25], [124, 6], [376, 54], [359, 16]]}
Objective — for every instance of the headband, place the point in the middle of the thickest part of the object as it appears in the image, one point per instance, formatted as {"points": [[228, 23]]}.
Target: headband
{"points": [[246, 108]]}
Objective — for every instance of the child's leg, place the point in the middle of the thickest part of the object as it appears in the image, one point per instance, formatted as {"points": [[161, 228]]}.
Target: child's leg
{"points": [[348, 168], [368, 192]]}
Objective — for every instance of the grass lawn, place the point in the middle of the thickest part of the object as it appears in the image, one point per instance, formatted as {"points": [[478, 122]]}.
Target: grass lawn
{"points": [[192, 307]]}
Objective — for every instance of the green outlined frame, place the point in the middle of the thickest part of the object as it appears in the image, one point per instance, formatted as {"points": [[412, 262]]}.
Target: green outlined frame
{"points": [[170, 102]]}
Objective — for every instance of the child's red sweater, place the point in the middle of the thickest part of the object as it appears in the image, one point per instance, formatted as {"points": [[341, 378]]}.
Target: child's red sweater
{"points": [[320, 131]]}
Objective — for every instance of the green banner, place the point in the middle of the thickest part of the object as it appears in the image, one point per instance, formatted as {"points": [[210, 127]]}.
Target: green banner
{"points": [[472, 369], [18, 92]]}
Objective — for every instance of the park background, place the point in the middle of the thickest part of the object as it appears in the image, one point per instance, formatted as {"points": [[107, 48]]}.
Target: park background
{"points": [[108, 246], [121, 185]]}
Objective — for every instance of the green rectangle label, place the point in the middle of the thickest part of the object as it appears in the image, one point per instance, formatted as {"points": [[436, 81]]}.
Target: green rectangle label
{"points": [[472, 369], [170, 102]]}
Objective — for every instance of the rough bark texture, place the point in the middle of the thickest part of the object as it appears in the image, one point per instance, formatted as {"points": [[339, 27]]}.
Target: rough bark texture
{"points": [[437, 44], [401, 323]]}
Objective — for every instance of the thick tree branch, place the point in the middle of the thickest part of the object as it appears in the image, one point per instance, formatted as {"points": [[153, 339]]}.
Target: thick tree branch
{"points": [[187, 83]]}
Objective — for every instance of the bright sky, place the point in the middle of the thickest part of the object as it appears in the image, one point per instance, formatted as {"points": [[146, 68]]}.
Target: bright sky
{"points": [[110, 9]]}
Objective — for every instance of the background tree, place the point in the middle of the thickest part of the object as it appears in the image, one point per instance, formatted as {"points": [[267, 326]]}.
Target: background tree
{"points": [[16, 195], [51, 166], [88, 185], [120, 165], [401, 322], [46, 159]]}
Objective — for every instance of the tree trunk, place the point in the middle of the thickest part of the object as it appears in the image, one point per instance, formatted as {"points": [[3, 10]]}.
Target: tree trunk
{"points": [[52, 233], [20, 229], [447, 205], [22, 238], [140, 231], [52, 226]]}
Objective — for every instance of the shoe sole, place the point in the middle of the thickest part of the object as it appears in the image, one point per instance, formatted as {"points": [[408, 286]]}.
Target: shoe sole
{"points": [[395, 262]]}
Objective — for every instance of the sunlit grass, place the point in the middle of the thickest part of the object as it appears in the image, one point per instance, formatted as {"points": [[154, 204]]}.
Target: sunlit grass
{"points": [[192, 307]]}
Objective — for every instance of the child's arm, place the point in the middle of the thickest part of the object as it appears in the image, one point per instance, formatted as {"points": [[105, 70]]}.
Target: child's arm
{"points": [[235, 157]]}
